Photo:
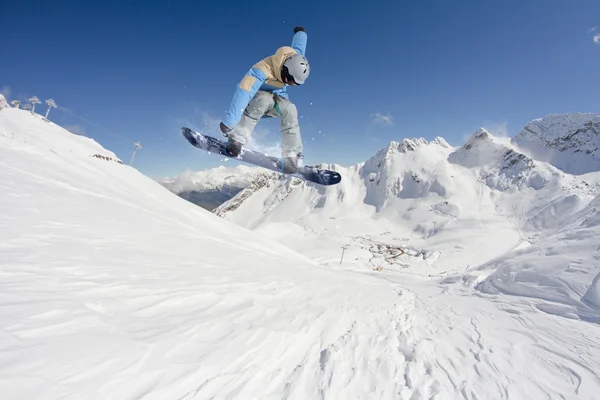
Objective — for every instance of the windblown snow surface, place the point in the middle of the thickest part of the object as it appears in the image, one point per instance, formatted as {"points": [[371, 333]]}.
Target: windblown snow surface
{"points": [[112, 287]]}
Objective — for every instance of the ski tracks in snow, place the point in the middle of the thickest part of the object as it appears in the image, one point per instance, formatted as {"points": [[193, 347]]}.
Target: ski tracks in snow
{"points": [[183, 336], [346, 353], [249, 339], [488, 347], [376, 357]]}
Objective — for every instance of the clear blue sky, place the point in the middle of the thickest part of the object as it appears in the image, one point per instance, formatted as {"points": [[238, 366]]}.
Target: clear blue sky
{"points": [[128, 71]]}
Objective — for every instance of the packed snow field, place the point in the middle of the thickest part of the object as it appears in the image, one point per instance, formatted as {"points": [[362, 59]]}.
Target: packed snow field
{"points": [[115, 288]]}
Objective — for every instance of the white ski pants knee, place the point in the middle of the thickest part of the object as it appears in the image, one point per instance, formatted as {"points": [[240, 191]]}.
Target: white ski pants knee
{"points": [[266, 104]]}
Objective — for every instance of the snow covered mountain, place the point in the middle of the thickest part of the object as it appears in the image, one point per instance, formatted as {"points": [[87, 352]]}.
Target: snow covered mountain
{"points": [[211, 188], [420, 196], [111, 286], [570, 142], [533, 195]]}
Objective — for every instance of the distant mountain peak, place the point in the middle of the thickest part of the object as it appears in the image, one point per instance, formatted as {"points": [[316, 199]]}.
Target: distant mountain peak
{"points": [[440, 141], [570, 142], [210, 188], [483, 150], [481, 136], [406, 146], [265, 179]]}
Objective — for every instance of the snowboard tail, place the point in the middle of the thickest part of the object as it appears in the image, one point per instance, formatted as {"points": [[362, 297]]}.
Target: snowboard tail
{"points": [[213, 145]]}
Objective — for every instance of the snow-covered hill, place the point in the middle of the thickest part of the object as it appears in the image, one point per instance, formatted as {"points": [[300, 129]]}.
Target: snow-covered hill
{"points": [[211, 188], [562, 268], [112, 287], [570, 142]]}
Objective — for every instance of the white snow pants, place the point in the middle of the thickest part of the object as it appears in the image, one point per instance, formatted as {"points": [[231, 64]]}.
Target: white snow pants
{"points": [[266, 104]]}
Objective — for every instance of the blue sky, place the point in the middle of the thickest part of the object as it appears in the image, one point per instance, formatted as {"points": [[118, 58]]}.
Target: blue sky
{"points": [[126, 71]]}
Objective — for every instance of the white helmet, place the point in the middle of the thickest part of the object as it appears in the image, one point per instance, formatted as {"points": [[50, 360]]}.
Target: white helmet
{"points": [[297, 68]]}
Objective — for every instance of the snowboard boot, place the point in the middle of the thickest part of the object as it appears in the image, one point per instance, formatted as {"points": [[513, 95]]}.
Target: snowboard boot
{"points": [[289, 166], [234, 148]]}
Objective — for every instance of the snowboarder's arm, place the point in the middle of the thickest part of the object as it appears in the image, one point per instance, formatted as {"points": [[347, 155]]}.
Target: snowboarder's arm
{"points": [[299, 40], [245, 91]]}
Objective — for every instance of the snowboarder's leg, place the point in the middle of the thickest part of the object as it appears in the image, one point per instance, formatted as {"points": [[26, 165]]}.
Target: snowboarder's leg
{"points": [[291, 142], [258, 106]]}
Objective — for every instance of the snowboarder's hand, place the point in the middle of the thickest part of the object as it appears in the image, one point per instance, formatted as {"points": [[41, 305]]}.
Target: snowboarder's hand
{"points": [[224, 128], [299, 29]]}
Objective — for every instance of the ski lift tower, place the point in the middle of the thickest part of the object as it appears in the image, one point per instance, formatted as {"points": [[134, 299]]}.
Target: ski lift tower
{"points": [[33, 101], [137, 146], [51, 104]]}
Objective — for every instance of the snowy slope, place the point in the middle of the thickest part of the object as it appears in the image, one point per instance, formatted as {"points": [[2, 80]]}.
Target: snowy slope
{"points": [[563, 269], [112, 287], [570, 142]]}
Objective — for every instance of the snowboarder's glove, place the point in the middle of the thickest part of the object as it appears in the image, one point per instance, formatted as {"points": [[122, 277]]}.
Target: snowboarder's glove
{"points": [[299, 29], [224, 128]]}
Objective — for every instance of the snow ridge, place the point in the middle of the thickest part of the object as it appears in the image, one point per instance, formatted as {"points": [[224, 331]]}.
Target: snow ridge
{"points": [[500, 165], [211, 188], [263, 180], [570, 142], [212, 179]]}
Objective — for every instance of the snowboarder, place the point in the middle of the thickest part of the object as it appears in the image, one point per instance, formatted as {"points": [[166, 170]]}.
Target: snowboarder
{"points": [[262, 93]]}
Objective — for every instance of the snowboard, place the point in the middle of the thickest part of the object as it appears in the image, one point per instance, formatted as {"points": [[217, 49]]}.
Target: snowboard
{"points": [[216, 146]]}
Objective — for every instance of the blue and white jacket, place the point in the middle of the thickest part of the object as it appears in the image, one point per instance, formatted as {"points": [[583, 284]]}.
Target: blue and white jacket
{"points": [[264, 75]]}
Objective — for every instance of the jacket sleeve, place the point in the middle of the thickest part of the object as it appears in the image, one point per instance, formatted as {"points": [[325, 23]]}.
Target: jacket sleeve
{"points": [[299, 42], [245, 91]]}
